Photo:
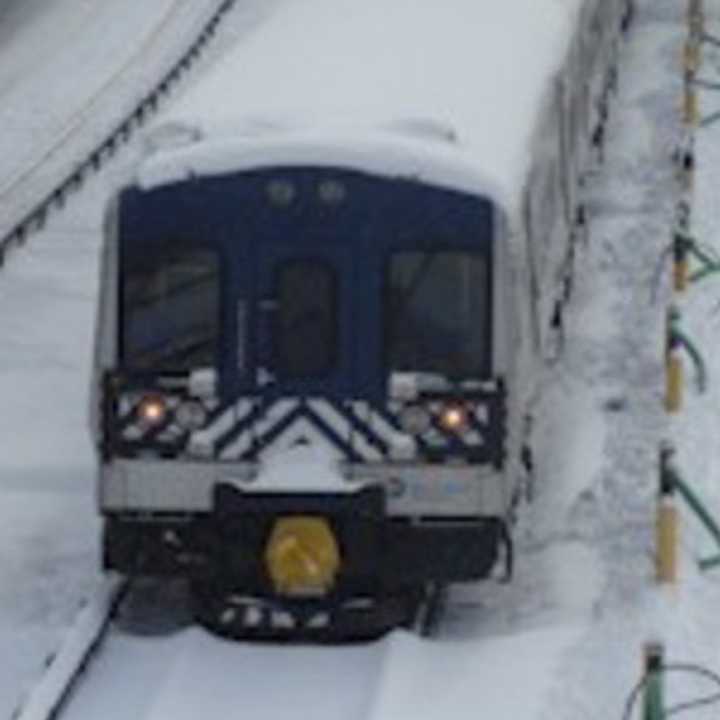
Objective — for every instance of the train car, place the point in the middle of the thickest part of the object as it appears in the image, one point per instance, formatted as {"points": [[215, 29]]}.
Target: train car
{"points": [[324, 296]]}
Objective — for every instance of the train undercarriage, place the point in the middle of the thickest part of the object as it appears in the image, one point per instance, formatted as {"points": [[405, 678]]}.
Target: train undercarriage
{"points": [[320, 569]]}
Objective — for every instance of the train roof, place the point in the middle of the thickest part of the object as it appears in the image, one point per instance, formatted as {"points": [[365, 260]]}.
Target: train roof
{"points": [[445, 91]]}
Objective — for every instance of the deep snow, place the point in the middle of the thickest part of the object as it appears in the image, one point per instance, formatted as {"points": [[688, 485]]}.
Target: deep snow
{"points": [[565, 639], [464, 90], [48, 524], [70, 71]]}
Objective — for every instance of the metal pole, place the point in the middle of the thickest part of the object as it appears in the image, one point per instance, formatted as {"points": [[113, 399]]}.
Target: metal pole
{"points": [[666, 522], [673, 363], [680, 262], [653, 696]]}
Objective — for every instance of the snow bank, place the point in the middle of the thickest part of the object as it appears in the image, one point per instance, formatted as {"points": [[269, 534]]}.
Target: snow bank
{"points": [[387, 154], [323, 63], [505, 677], [44, 699]]}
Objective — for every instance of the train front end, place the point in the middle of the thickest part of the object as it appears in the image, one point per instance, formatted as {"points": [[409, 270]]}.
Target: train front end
{"points": [[302, 397]]}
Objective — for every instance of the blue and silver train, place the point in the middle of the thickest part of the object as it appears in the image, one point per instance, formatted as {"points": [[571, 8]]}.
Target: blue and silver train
{"points": [[314, 355]]}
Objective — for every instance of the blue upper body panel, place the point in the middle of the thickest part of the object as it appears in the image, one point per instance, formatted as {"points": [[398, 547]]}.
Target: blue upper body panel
{"points": [[355, 228]]}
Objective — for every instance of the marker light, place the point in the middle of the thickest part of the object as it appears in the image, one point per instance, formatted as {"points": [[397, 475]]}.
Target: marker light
{"points": [[152, 410], [332, 192], [280, 193], [191, 415], [415, 420], [453, 418]]}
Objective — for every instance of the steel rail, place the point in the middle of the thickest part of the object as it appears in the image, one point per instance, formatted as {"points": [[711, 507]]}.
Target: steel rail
{"points": [[46, 700]]}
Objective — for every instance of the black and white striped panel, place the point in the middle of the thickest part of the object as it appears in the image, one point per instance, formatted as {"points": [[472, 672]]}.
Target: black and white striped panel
{"points": [[250, 429]]}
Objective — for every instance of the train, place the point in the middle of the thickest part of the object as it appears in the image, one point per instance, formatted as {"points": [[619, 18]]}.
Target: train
{"points": [[325, 292]]}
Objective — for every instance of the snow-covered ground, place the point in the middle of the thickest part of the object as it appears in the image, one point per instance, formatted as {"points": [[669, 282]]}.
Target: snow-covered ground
{"points": [[48, 525], [565, 639], [70, 70]]}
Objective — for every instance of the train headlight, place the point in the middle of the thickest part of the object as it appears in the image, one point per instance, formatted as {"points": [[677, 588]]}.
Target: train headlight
{"points": [[191, 415], [415, 420], [152, 410], [453, 418]]}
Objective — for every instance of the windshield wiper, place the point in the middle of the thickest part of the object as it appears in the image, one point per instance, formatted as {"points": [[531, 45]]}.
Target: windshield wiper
{"points": [[406, 295], [142, 301], [175, 350], [400, 303]]}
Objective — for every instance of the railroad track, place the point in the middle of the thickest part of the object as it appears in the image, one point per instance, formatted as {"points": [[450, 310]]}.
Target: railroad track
{"points": [[34, 218], [134, 651], [65, 668], [122, 655]]}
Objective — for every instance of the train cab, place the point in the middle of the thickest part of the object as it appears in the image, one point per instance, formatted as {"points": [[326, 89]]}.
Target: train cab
{"points": [[304, 342]]}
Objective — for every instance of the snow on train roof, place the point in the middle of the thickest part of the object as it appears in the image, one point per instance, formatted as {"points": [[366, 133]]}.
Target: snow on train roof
{"points": [[441, 91]]}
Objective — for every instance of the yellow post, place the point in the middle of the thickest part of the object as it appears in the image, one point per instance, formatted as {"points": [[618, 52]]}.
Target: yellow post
{"points": [[666, 523], [681, 264], [691, 57], [674, 380], [691, 105], [674, 389], [667, 540], [680, 274]]}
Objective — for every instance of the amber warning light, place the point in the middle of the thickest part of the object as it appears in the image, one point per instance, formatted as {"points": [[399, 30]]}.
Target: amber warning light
{"points": [[152, 410], [454, 418]]}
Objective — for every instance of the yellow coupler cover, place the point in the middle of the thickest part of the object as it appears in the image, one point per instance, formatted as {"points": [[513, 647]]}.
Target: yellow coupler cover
{"points": [[302, 556]]}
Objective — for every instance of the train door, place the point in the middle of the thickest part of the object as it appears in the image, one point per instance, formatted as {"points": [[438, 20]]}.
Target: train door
{"points": [[305, 344]]}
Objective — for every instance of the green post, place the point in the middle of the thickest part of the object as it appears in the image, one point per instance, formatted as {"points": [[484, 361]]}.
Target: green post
{"points": [[706, 271], [700, 255], [653, 696], [676, 337], [702, 513], [698, 508]]}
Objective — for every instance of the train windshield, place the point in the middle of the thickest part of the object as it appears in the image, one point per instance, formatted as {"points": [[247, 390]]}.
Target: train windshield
{"points": [[170, 308], [437, 314]]}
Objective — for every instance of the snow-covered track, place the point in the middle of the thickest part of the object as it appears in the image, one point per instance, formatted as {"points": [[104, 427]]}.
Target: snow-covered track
{"points": [[64, 668], [34, 218]]}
